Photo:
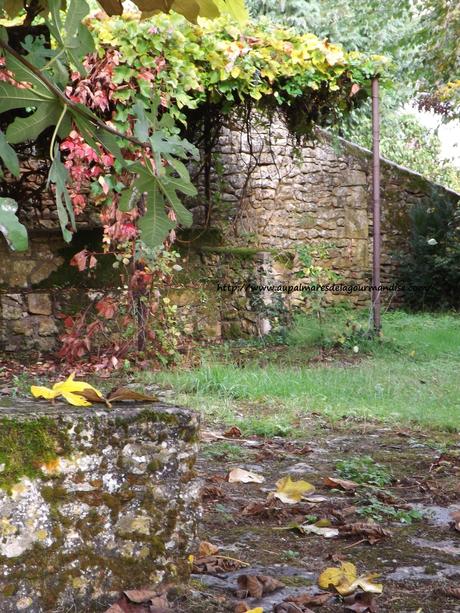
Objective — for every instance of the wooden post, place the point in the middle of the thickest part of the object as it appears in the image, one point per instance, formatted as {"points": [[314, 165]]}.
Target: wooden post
{"points": [[376, 206]]}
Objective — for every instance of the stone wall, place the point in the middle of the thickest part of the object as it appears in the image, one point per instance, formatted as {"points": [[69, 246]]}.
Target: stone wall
{"points": [[270, 194], [275, 194], [93, 502]]}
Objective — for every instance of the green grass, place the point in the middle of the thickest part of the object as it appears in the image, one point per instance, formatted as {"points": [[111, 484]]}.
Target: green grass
{"points": [[225, 451], [412, 375]]}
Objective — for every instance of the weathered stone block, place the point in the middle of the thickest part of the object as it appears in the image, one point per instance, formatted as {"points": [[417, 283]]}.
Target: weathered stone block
{"points": [[39, 304], [356, 223], [24, 326], [46, 326], [93, 502], [12, 306]]}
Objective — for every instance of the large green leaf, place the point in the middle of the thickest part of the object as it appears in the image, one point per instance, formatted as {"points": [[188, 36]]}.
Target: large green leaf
{"points": [[14, 98], [76, 11], [59, 176], [8, 155], [29, 128], [73, 36], [14, 232], [184, 216], [181, 185], [155, 224], [23, 73]]}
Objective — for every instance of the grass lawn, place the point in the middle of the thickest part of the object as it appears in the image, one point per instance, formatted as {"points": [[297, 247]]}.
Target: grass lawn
{"points": [[412, 375]]}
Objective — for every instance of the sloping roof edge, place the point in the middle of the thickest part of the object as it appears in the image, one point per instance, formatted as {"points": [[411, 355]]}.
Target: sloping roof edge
{"points": [[357, 150]]}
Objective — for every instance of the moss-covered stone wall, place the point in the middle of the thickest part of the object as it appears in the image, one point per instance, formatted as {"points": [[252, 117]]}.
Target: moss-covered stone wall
{"points": [[270, 194], [93, 502]]}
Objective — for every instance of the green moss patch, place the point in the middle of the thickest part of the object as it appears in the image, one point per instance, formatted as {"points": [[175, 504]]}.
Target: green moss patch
{"points": [[26, 445]]}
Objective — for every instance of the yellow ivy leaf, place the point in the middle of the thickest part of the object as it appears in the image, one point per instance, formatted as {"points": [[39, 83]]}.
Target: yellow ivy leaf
{"points": [[345, 580], [338, 577], [39, 391], [366, 583], [77, 401], [236, 71], [291, 492]]}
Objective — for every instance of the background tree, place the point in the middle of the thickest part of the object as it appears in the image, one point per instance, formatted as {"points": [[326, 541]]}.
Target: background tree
{"points": [[422, 38]]}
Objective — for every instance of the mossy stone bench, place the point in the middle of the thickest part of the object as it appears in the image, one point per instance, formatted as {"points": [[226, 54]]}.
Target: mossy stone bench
{"points": [[93, 501]]}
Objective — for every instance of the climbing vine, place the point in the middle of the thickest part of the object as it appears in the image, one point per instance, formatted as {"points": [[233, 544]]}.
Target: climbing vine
{"points": [[143, 88]]}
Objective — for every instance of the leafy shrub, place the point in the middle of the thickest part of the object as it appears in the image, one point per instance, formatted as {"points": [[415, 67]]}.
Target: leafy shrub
{"points": [[431, 269]]}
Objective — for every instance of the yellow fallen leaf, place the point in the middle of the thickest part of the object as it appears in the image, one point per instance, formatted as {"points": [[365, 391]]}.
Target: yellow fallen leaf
{"points": [[366, 583], [291, 492], [256, 610], [69, 385], [75, 399], [69, 390], [39, 391], [346, 581], [338, 577]]}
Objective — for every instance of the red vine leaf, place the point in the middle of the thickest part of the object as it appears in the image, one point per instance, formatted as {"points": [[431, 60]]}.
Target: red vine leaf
{"points": [[106, 307], [80, 260]]}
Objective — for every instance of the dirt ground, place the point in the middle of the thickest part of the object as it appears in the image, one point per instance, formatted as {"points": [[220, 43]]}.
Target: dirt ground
{"points": [[418, 564]]}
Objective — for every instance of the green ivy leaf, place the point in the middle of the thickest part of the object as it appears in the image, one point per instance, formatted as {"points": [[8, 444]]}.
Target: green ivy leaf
{"points": [[14, 231], [29, 128]]}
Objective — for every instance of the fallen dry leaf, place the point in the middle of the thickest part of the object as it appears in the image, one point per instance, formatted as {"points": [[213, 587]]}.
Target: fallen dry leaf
{"points": [[233, 432], [239, 475], [290, 492], [452, 592], [140, 596], [211, 492], [256, 585], [207, 549], [215, 565], [346, 581], [343, 513], [342, 484], [136, 601], [310, 599], [93, 397], [361, 603], [208, 436], [371, 532], [127, 394], [323, 531]]}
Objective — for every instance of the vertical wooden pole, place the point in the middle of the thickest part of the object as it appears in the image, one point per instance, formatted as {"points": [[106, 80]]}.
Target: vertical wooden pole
{"points": [[376, 205]]}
